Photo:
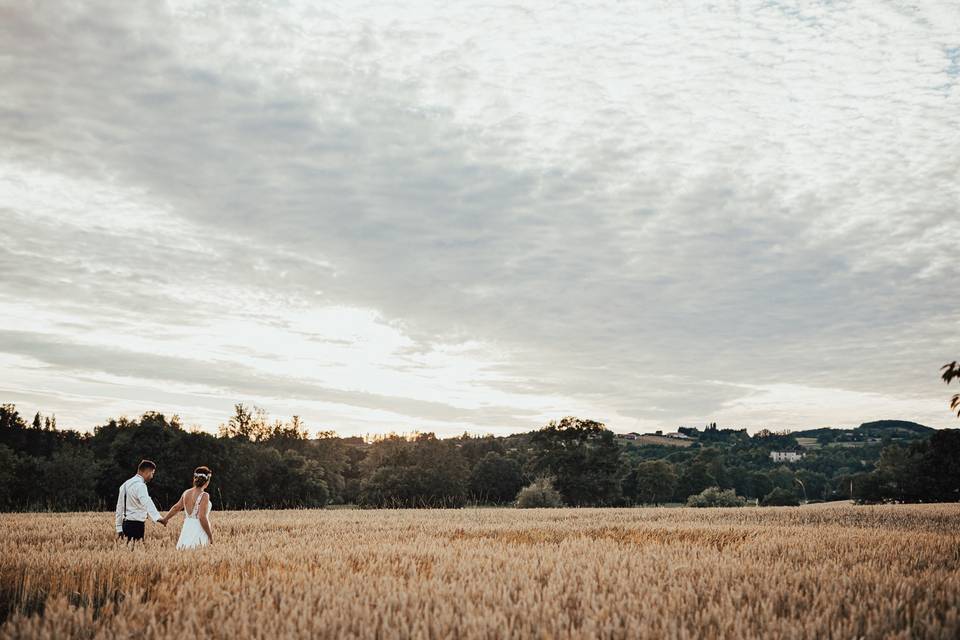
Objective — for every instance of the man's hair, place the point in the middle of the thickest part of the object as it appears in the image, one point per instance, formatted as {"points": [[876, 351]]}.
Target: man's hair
{"points": [[201, 475], [146, 465]]}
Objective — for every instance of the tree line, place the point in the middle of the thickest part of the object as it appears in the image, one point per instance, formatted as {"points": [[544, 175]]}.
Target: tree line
{"points": [[259, 463]]}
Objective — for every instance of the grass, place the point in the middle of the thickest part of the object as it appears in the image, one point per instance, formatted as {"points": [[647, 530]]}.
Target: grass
{"points": [[832, 570]]}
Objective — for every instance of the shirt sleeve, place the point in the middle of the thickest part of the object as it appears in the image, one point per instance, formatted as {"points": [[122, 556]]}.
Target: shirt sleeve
{"points": [[147, 502], [119, 513]]}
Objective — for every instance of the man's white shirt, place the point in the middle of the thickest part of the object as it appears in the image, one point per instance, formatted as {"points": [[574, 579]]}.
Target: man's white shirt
{"points": [[139, 503]]}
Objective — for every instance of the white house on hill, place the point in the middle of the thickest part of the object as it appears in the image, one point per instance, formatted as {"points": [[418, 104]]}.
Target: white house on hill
{"points": [[786, 456]]}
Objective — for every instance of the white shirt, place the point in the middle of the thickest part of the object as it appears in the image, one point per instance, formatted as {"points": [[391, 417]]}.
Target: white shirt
{"points": [[139, 504]]}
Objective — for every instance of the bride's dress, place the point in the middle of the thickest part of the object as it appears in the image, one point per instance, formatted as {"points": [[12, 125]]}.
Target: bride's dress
{"points": [[192, 534]]}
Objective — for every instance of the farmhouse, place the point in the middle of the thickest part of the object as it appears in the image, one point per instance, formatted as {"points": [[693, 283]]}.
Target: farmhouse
{"points": [[786, 456]]}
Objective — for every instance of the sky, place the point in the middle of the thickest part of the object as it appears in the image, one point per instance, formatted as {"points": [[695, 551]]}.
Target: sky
{"points": [[449, 217]]}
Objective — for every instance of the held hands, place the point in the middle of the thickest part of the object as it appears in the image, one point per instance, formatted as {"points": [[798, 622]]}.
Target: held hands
{"points": [[163, 520]]}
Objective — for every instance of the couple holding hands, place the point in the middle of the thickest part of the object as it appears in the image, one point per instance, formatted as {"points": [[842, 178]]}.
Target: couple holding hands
{"points": [[134, 505]]}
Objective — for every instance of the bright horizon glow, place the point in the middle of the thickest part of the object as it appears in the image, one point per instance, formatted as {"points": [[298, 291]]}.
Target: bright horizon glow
{"points": [[480, 218]]}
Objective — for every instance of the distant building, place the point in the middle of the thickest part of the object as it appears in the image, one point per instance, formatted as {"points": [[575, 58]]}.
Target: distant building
{"points": [[786, 456], [678, 435]]}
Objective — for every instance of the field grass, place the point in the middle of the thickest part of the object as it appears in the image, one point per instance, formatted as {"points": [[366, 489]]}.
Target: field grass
{"points": [[822, 571]]}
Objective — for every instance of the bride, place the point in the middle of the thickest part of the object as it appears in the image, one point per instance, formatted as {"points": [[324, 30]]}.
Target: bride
{"points": [[195, 502]]}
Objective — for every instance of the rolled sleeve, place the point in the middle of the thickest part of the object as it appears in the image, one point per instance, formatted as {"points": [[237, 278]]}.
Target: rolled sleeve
{"points": [[119, 514]]}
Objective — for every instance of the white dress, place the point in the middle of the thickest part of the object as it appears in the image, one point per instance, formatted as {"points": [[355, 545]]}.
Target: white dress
{"points": [[192, 534]]}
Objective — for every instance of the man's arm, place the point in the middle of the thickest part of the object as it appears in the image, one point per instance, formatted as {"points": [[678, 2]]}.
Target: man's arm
{"points": [[119, 514], [147, 503]]}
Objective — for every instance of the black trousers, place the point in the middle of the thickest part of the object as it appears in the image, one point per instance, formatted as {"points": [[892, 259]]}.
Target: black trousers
{"points": [[133, 529]]}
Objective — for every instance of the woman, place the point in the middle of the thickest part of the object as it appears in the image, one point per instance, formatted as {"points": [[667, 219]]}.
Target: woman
{"points": [[195, 502]]}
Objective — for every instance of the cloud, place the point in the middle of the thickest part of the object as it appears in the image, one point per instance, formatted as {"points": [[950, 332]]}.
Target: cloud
{"points": [[226, 375], [639, 213]]}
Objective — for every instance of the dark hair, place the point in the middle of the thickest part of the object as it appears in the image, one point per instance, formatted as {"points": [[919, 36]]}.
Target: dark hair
{"points": [[146, 464], [201, 476]]}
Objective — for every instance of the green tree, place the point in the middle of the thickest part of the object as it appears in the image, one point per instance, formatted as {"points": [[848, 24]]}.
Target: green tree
{"points": [[583, 457], [940, 457], [693, 478], [70, 479], [781, 497], [868, 488], [816, 485], [656, 481], [782, 477], [716, 497], [900, 473], [425, 472], [445, 477], [495, 479], [540, 494]]}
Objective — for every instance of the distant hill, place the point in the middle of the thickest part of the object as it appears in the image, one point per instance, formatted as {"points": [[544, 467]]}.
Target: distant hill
{"points": [[877, 428], [866, 433], [813, 433], [881, 427]]}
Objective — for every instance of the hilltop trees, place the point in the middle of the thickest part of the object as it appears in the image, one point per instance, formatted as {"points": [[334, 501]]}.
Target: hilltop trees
{"points": [[263, 463], [781, 497]]}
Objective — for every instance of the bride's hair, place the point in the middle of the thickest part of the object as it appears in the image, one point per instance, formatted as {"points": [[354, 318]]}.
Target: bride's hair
{"points": [[201, 475]]}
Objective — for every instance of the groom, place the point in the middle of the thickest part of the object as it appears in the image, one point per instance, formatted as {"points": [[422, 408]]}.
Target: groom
{"points": [[134, 504]]}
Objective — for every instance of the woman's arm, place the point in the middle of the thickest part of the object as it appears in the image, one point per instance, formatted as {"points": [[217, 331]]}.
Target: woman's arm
{"points": [[204, 520], [174, 509]]}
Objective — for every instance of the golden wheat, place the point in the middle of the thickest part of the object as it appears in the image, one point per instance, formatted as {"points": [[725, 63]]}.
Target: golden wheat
{"points": [[814, 572]]}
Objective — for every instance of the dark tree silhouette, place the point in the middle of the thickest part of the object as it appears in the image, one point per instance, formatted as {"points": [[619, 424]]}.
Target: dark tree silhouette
{"points": [[951, 371]]}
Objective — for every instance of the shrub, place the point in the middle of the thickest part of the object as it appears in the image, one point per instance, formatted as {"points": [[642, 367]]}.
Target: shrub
{"points": [[781, 497], [539, 494], [716, 497]]}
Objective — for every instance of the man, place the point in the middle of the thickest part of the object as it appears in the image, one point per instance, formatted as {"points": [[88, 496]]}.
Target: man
{"points": [[134, 504]]}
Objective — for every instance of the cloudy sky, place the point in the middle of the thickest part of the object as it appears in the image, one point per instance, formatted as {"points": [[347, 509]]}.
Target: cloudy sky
{"points": [[457, 216]]}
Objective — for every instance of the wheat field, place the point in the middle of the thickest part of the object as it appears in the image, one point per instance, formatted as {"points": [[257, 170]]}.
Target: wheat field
{"points": [[825, 571]]}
